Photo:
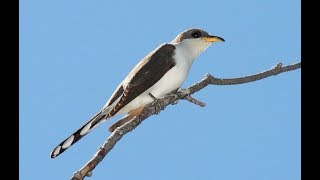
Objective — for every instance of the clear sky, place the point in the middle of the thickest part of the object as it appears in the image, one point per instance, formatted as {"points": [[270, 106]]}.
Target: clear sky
{"points": [[73, 54]]}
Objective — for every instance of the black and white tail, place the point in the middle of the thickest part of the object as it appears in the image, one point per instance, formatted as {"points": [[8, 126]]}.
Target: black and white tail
{"points": [[76, 136]]}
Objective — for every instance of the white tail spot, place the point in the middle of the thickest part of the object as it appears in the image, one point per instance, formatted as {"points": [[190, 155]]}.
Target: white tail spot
{"points": [[68, 142], [56, 151], [85, 130]]}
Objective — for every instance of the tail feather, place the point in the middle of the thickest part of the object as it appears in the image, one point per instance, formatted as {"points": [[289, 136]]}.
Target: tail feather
{"points": [[76, 136]]}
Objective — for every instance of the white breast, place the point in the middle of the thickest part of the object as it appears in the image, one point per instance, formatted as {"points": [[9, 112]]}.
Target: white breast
{"points": [[172, 80]]}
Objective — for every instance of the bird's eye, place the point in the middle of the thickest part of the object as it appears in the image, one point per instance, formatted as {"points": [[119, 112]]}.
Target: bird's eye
{"points": [[196, 34]]}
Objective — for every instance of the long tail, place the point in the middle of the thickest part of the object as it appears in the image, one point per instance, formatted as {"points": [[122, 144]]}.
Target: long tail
{"points": [[76, 136]]}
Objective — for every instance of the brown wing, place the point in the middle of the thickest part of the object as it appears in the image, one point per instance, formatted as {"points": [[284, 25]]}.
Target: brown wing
{"points": [[152, 71], [117, 93]]}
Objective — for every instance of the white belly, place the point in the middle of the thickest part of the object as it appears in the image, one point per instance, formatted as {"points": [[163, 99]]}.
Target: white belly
{"points": [[172, 80]]}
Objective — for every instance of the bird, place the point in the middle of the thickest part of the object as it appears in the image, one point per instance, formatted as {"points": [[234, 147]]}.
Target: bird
{"points": [[159, 73]]}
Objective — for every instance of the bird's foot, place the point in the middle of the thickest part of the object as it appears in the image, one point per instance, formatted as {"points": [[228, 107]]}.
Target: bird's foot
{"points": [[184, 92], [157, 103]]}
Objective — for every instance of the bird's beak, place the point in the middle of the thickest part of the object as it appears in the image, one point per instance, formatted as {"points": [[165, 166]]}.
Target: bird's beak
{"points": [[213, 39]]}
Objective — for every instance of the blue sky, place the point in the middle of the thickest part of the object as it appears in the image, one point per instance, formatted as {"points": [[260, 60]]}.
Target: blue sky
{"points": [[73, 54]]}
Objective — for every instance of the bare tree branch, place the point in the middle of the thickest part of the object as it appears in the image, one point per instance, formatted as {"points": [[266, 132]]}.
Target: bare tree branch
{"points": [[150, 109], [194, 101]]}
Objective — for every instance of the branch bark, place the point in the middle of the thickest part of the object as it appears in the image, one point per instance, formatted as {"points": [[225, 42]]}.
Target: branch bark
{"points": [[185, 94]]}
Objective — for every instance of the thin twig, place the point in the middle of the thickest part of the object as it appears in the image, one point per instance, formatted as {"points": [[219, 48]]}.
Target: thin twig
{"points": [[194, 101]]}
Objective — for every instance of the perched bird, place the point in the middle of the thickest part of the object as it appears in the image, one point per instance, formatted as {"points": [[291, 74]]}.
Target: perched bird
{"points": [[161, 72]]}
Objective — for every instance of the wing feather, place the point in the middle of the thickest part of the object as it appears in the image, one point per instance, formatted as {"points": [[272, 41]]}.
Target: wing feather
{"points": [[153, 69]]}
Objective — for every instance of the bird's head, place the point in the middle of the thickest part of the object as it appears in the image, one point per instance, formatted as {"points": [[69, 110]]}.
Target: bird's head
{"points": [[196, 40]]}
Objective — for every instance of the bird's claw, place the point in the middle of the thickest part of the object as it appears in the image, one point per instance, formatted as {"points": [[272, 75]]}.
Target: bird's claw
{"points": [[157, 103], [184, 92], [175, 102]]}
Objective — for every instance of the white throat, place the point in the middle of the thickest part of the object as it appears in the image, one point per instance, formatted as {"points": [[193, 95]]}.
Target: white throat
{"points": [[189, 49]]}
